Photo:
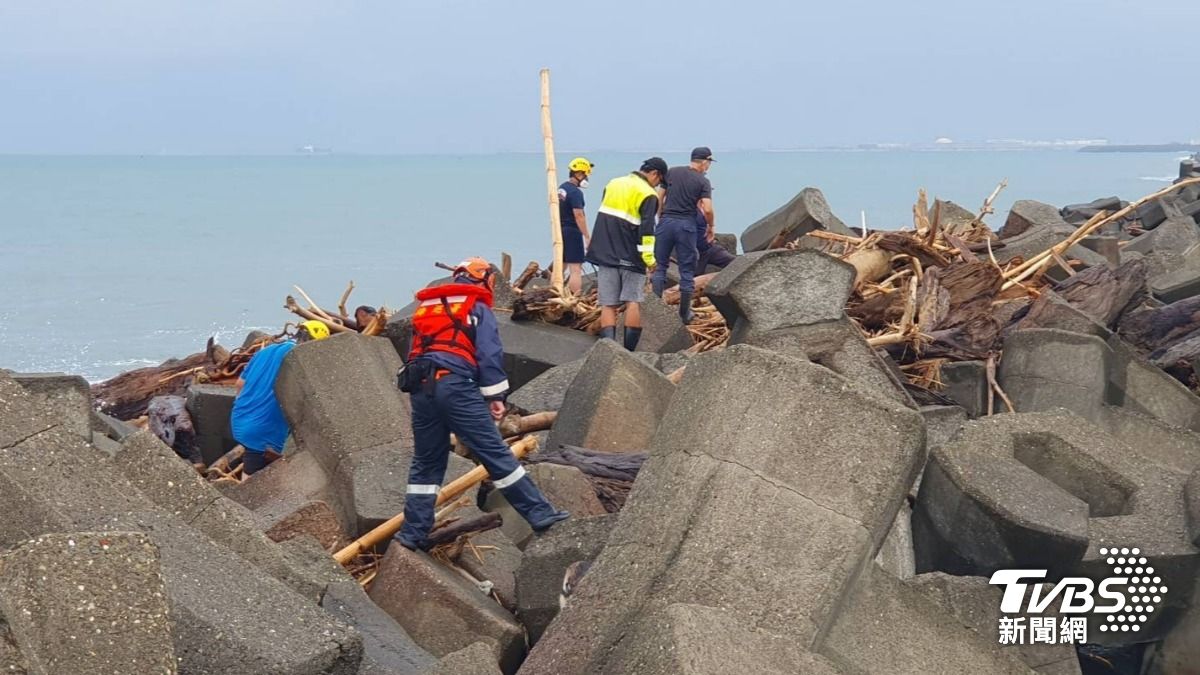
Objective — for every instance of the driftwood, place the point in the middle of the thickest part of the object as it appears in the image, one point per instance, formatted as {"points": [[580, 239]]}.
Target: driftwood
{"points": [[531, 271], [226, 463], [1150, 330], [455, 528], [517, 425], [127, 395], [671, 295], [1106, 294], [615, 465]]}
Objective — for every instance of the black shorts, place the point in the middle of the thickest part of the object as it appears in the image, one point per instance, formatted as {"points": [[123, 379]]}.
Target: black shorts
{"points": [[572, 245]]}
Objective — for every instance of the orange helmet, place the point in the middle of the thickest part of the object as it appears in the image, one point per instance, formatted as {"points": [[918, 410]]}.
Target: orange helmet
{"points": [[476, 270]]}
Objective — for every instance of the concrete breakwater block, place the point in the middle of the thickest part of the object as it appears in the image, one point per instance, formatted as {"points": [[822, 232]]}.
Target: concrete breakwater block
{"points": [[546, 559], [614, 404], [68, 398], [50, 480], [442, 611], [88, 602], [805, 212], [210, 406], [793, 302], [293, 496], [696, 566], [1048, 491]]}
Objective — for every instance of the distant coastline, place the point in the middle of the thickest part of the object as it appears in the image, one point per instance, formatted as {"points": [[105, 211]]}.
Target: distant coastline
{"points": [[1152, 147]]}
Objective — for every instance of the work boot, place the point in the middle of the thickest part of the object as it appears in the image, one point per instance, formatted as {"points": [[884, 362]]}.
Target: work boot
{"points": [[632, 335], [528, 500], [609, 332], [685, 308]]}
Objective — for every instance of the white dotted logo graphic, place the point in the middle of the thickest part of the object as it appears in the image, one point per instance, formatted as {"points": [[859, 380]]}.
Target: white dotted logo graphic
{"points": [[1143, 595]]}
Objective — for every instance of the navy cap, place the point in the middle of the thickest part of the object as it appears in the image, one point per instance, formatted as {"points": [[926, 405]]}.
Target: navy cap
{"points": [[655, 164], [702, 152]]}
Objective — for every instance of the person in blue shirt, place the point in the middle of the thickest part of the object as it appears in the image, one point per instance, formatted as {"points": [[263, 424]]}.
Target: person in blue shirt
{"points": [[573, 220], [456, 384], [257, 420]]}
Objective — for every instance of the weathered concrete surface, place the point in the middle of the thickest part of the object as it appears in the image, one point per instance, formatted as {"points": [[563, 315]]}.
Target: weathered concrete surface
{"points": [[476, 659], [614, 404], [532, 347], [441, 610], [805, 212], [897, 556], [662, 331], [51, 481], [88, 602], [210, 406], [1134, 384], [886, 625], [1048, 490], [566, 487], [293, 496], [1043, 369], [1037, 239], [1191, 495], [387, 649], [110, 426], [176, 488], [942, 422], [546, 391], [513, 526], [66, 397], [952, 217], [340, 397], [792, 302], [976, 604], [966, 384], [540, 577], [700, 533], [1027, 214]]}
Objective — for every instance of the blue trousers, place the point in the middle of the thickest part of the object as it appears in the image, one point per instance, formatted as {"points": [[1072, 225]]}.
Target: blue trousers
{"points": [[678, 235], [454, 404]]}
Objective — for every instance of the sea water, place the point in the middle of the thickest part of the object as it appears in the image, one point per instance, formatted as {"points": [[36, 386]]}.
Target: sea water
{"points": [[112, 263]]}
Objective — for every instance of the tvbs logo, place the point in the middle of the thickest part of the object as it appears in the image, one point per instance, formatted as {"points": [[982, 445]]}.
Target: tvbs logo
{"points": [[1126, 599]]}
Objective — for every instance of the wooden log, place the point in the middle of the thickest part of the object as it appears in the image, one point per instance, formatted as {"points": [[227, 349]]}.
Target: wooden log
{"points": [[1150, 330], [671, 295], [614, 465], [450, 491], [516, 425], [457, 528], [530, 272], [870, 265], [127, 395], [1106, 294], [226, 463]]}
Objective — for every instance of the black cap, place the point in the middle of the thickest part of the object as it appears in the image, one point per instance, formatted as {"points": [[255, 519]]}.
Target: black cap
{"points": [[655, 164], [702, 152]]}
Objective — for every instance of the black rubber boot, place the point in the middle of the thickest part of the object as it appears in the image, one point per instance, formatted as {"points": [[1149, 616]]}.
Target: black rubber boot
{"points": [[609, 332], [685, 308], [632, 335]]}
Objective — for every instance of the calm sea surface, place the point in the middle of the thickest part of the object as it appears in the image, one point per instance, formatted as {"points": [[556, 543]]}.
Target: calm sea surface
{"points": [[112, 263]]}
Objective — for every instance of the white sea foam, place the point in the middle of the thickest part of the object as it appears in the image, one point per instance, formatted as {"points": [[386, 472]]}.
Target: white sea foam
{"points": [[1157, 179]]}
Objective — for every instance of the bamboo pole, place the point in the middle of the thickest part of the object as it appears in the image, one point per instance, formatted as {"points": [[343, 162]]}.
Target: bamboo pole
{"points": [[1043, 259], [556, 273], [452, 490]]}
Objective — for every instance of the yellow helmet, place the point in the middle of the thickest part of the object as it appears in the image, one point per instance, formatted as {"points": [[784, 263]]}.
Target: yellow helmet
{"points": [[316, 329], [581, 164]]}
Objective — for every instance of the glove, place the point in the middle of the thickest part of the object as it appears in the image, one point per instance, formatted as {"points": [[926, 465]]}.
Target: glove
{"points": [[647, 250]]}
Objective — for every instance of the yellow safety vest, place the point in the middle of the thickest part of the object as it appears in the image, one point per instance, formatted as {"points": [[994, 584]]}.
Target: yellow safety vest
{"points": [[623, 197]]}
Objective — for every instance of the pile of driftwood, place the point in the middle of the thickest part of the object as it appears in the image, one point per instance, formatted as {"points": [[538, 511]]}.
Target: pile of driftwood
{"points": [[126, 396], [583, 312]]}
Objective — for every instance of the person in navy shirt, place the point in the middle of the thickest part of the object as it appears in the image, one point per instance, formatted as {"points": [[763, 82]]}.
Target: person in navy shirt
{"points": [[257, 420], [574, 221]]}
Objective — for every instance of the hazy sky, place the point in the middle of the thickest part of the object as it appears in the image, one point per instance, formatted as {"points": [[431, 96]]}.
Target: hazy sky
{"points": [[259, 76]]}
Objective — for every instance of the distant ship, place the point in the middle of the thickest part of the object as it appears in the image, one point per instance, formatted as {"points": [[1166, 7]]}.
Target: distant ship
{"points": [[314, 150]]}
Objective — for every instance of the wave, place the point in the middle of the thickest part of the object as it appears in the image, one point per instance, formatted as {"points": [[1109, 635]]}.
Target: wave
{"points": [[1157, 179]]}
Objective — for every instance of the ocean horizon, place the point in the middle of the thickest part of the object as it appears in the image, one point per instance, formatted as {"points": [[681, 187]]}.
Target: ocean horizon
{"points": [[119, 261]]}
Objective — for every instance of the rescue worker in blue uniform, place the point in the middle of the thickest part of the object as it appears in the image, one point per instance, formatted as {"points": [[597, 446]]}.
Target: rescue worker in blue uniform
{"points": [[456, 381]]}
